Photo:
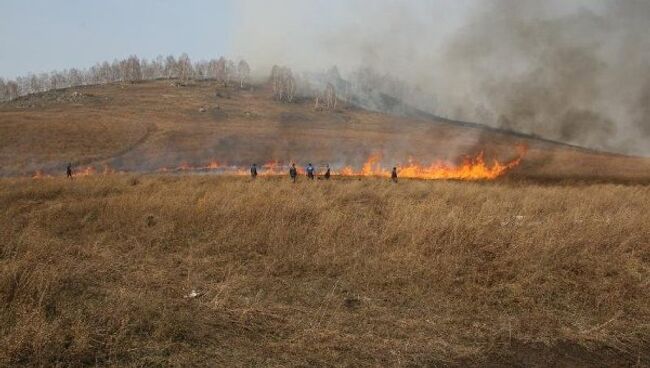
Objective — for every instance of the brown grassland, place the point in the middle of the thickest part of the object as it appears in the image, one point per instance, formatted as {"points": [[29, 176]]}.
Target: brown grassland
{"points": [[546, 267], [97, 271], [147, 126]]}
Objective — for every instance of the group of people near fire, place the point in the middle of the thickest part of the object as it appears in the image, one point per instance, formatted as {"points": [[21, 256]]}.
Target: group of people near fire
{"points": [[310, 172]]}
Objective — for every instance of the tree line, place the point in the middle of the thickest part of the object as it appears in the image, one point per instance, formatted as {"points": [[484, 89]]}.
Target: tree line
{"points": [[131, 69], [363, 87]]}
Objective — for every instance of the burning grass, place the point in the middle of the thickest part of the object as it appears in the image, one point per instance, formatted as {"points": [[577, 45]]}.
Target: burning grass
{"points": [[471, 169], [222, 271]]}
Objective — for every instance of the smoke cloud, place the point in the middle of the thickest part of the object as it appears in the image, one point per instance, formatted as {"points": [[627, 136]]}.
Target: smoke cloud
{"points": [[578, 71]]}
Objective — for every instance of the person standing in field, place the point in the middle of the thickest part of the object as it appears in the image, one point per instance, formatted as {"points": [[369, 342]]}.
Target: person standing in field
{"points": [[293, 173], [68, 171], [254, 171], [393, 175], [310, 171], [327, 173]]}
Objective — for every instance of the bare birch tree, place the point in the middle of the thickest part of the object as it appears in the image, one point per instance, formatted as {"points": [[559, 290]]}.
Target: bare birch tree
{"points": [[4, 92], [170, 67], [230, 72], [12, 90], [327, 99], [244, 71], [220, 70], [133, 69], [284, 84], [184, 67]]}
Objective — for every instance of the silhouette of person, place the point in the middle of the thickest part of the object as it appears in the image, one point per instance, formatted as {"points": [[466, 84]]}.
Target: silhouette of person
{"points": [[327, 173], [293, 173]]}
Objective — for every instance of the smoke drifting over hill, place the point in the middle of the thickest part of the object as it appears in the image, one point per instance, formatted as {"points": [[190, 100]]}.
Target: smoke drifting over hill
{"points": [[577, 72]]}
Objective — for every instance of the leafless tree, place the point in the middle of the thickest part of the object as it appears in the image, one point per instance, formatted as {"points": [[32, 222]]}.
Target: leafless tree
{"points": [[220, 70], [154, 69], [34, 84], [212, 69], [231, 72], [184, 68], [129, 69], [244, 71], [284, 84], [200, 70], [147, 70], [4, 92], [12, 90], [57, 80], [327, 99], [22, 86], [158, 67], [75, 78], [170, 67], [103, 73], [115, 71], [134, 70]]}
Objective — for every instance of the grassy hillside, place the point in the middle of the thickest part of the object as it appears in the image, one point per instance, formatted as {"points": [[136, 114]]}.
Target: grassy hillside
{"points": [[97, 271], [151, 125], [546, 266]]}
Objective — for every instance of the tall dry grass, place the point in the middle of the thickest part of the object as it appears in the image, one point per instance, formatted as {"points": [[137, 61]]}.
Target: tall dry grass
{"points": [[97, 271]]}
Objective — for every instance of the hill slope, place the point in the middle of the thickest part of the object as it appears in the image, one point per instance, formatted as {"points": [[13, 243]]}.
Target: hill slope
{"points": [[151, 125], [205, 270]]}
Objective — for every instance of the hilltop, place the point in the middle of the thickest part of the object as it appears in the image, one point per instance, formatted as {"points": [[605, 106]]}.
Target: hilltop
{"points": [[148, 126]]}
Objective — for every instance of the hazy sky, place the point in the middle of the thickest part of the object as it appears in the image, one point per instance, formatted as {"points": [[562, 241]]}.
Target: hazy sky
{"points": [[42, 35], [45, 35], [574, 70], [320, 33]]}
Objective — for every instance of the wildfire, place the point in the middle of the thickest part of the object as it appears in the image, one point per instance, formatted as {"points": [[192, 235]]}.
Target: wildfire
{"points": [[80, 172], [39, 174], [270, 168], [213, 165], [471, 168]]}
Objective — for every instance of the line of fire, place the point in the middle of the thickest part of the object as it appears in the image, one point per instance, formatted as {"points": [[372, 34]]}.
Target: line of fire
{"points": [[471, 168]]}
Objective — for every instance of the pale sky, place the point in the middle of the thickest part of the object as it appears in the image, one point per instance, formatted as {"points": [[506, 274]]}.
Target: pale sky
{"points": [[43, 35]]}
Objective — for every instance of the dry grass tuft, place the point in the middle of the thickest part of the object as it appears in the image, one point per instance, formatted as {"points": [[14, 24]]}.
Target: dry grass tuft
{"points": [[99, 271]]}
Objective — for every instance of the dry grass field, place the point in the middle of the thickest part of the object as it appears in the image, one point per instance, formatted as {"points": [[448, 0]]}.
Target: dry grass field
{"points": [[548, 266], [147, 126], [100, 271]]}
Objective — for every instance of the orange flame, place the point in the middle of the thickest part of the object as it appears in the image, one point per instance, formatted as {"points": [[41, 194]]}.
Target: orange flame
{"points": [[39, 174], [80, 172], [472, 168], [214, 165]]}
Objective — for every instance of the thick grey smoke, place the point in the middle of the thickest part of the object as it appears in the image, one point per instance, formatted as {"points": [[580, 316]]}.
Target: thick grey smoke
{"points": [[574, 71]]}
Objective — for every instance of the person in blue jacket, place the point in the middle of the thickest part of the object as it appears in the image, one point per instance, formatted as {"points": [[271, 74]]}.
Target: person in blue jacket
{"points": [[310, 171]]}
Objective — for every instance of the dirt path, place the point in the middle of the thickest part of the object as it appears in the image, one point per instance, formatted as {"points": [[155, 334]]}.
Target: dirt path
{"points": [[150, 129]]}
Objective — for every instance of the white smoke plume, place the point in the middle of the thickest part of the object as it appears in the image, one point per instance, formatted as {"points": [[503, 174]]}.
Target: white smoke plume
{"points": [[575, 71]]}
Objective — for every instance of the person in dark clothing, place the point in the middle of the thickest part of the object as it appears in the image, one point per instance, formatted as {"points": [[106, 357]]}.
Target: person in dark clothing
{"points": [[254, 171], [393, 175], [68, 171], [310, 171], [293, 173], [327, 173]]}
